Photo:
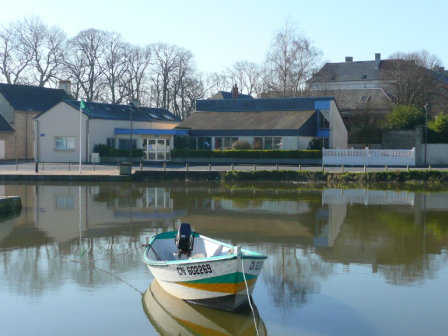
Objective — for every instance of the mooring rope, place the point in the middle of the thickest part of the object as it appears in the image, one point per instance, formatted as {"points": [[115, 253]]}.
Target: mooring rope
{"points": [[248, 295], [107, 272]]}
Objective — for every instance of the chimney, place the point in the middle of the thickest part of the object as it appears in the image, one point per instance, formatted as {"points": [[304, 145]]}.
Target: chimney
{"points": [[135, 103], [66, 85], [348, 59], [377, 61], [235, 92]]}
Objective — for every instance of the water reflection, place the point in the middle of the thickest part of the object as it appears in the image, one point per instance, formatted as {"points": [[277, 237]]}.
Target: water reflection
{"points": [[172, 316], [311, 236]]}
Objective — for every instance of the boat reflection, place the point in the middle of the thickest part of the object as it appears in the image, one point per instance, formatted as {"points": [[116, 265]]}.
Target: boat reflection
{"points": [[171, 316]]}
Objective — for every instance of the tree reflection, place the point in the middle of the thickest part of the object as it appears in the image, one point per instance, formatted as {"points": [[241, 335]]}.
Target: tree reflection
{"points": [[293, 274]]}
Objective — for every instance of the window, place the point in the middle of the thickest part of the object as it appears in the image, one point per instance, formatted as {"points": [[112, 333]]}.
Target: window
{"points": [[205, 143], [154, 116], [224, 142], [228, 142], [111, 142], [167, 117], [64, 143], [258, 143], [218, 143], [323, 122], [125, 143], [364, 99], [272, 142], [64, 202]]}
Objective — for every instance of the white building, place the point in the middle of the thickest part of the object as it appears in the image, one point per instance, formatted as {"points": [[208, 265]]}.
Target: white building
{"points": [[58, 130]]}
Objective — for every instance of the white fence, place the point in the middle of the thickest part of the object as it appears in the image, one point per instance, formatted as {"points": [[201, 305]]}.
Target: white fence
{"points": [[368, 157]]}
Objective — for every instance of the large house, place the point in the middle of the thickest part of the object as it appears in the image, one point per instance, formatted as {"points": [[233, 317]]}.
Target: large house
{"points": [[282, 123], [377, 73], [19, 104], [119, 126]]}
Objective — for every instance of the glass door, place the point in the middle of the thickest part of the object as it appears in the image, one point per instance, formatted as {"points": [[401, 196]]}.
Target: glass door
{"points": [[157, 149]]}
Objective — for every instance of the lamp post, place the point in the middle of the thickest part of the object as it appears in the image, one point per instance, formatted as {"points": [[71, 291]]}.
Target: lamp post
{"points": [[130, 142], [426, 130]]}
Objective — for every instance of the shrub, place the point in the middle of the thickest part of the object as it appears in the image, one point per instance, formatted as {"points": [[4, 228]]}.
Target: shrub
{"points": [[241, 144], [105, 150], [184, 142], [438, 129], [405, 117], [316, 143]]}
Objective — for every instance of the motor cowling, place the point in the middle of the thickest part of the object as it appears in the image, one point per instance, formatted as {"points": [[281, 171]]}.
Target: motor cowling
{"points": [[184, 239]]}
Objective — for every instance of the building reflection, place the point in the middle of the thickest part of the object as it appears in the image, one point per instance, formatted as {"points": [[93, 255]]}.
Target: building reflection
{"points": [[399, 234]]}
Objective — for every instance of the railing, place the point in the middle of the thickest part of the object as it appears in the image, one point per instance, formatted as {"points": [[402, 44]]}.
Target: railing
{"points": [[368, 157]]}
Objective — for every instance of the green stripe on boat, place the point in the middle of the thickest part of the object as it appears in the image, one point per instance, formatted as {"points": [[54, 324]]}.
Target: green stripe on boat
{"points": [[227, 278]]}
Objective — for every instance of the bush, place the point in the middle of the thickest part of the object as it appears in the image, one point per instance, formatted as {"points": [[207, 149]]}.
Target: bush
{"points": [[241, 144], [105, 150], [184, 142], [249, 154], [438, 129], [316, 143], [405, 117]]}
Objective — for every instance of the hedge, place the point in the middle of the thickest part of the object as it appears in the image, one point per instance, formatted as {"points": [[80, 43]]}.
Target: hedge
{"points": [[257, 154], [105, 150]]}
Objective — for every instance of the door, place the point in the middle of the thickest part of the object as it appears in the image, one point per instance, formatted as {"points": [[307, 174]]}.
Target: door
{"points": [[157, 149]]}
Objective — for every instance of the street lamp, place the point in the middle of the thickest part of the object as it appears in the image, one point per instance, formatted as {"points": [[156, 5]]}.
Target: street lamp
{"points": [[130, 142], [426, 130]]}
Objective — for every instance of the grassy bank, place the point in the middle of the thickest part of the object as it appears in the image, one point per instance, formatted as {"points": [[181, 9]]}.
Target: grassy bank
{"points": [[409, 177]]}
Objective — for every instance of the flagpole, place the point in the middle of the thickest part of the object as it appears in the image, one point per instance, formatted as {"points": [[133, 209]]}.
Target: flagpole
{"points": [[80, 134]]}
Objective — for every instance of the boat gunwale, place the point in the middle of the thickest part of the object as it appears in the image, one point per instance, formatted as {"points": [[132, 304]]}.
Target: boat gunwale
{"points": [[245, 254]]}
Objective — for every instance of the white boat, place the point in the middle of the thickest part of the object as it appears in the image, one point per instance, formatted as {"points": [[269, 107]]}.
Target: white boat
{"points": [[202, 270], [171, 316]]}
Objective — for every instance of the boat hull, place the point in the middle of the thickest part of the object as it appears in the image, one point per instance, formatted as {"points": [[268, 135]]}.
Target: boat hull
{"points": [[214, 283]]}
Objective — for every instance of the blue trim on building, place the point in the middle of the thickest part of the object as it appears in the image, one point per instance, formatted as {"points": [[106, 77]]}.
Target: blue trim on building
{"points": [[141, 131], [322, 105], [271, 132], [323, 133], [309, 128]]}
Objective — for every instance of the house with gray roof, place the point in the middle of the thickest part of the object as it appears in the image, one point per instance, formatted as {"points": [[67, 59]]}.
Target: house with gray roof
{"points": [[19, 104], [352, 74], [119, 126], [280, 123], [234, 94]]}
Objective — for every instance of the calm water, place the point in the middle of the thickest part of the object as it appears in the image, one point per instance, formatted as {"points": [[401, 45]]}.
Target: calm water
{"points": [[341, 262]]}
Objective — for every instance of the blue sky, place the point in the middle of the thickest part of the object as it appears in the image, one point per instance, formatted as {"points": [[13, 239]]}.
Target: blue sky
{"points": [[220, 33]]}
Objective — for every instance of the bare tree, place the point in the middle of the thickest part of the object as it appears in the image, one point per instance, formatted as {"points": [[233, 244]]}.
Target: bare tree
{"points": [[248, 76], [414, 81], [136, 78], [290, 61], [165, 62], [14, 57], [46, 47], [216, 81], [113, 66], [85, 52]]}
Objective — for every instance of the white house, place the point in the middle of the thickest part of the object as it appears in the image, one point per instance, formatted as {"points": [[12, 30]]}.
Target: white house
{"points": [[58, 130]]}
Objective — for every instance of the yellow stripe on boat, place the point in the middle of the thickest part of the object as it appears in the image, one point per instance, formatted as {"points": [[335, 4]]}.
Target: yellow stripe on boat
{"points": [[229, 288], [199, 329]]}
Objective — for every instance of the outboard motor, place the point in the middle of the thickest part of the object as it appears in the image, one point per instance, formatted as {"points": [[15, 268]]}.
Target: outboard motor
{"points": [[184, 239]]}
